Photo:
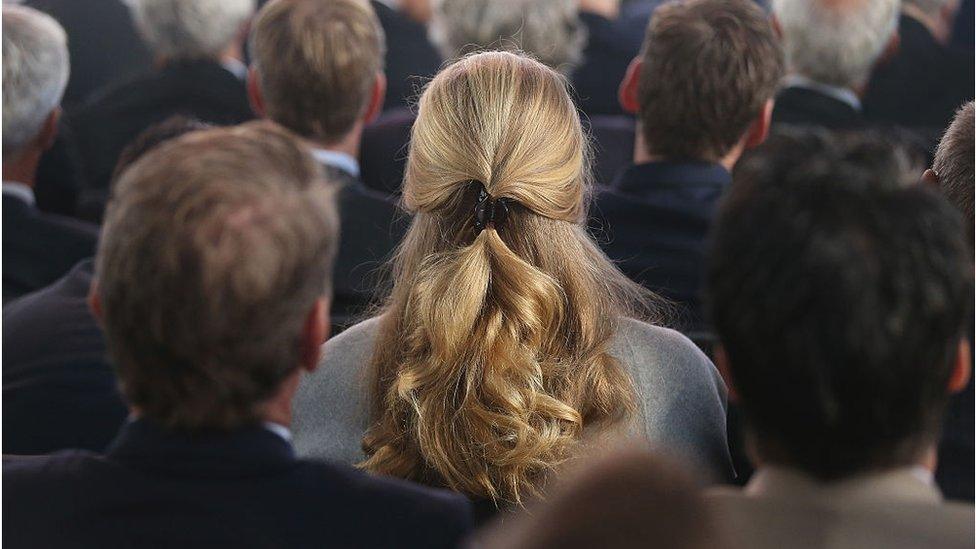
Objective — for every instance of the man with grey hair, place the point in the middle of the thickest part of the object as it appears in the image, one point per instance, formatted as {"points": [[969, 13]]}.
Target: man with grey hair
{"points": [[549, 30], [831, 49], [925, 82], [212, 286], [38, 248], [198, 46]]}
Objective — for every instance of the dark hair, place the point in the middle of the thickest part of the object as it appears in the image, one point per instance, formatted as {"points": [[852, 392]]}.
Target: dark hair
{"points": [[153, 136], [839, 292], [709, 66]]}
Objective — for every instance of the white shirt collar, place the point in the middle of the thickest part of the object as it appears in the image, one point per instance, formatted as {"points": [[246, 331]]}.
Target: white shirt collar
{"points": [[19, 191], [844, 95], [279, 430], [235, 67], [338, 160]]}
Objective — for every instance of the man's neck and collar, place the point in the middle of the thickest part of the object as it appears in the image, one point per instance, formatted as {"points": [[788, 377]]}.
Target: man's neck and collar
{"points": [[936, 26], [848, 96], [649, 168], [19, 175], [342, 154]]}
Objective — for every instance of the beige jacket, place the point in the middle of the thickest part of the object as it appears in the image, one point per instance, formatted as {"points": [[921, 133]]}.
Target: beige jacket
{"points": [[781, 508]]}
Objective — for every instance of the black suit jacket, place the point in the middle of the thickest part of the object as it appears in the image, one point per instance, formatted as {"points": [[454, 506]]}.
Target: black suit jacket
{"points": [[203, 90], [39, 248], [59, 390], [805, 107], [410, 57], [154, 488], [654, 224], [372, 227], [102, 42], [922, 86]]}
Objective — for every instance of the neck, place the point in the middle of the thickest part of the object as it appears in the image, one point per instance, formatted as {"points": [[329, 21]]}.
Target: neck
{"points": [[348, 144], [23, 167], [642, 155], [932, 23], [278, 408]]}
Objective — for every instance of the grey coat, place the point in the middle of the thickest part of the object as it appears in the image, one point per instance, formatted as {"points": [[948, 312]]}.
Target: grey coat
{"points": [[682, 396]]}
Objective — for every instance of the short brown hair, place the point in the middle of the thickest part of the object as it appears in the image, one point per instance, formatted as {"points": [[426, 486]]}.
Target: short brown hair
{"points": [[954, 163], [316, 63], [215, 247], [709, 66]]}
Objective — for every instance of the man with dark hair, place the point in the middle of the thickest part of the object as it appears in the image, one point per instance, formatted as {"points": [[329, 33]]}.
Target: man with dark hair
{"points": [[840, 292], [694, 122], [212, 284]]}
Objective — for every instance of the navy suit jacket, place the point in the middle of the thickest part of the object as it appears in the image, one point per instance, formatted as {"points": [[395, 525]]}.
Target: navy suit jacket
{"points": [[39, 248], [155, 488], [59, 390], [411, 59], [372, 227], [805, 107], [203, 90], [654, 224]]}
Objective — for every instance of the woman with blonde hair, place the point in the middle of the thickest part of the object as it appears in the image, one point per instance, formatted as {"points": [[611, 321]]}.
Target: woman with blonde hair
{"points": [[508, 339]]}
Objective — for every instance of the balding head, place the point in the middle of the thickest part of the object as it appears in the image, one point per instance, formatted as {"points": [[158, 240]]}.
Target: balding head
{"points": [[954, 163], [836, 42]]}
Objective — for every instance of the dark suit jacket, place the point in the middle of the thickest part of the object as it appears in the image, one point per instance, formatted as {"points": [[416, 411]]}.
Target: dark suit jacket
{"points": [[613, 147], [372, 227], [922, 86], [610, 47], [39, 248], [102, 42], [805, 107], [59, 390], [654, 223], [202, 90], [154, 488], [410, 57]]}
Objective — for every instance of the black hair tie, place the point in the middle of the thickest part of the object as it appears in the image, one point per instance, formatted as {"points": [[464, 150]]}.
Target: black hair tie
{"points": [[489, 210]]}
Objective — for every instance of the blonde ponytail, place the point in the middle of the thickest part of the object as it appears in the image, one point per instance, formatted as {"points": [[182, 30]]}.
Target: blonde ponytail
{"points": [[491, 359]]}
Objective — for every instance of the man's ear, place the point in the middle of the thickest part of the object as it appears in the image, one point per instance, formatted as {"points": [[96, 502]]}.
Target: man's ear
{"points": [[95, 302], [314, 334], [49, 130], [254, 94], [627, 94], [962, 369], [759, 130], [890, 50], [376, 98], [931, 179], [777, 26], [722, 363]]}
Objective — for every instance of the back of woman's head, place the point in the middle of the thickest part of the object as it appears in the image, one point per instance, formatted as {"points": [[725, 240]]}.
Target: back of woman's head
{"points": [[492, 355]]}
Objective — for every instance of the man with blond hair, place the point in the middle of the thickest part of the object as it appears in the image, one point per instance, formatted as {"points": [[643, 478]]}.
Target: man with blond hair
{"points": [[318, 71], [212, 285]]}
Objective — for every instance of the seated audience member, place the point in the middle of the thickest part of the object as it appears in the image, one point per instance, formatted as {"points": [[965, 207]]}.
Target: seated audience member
{"points": [[59, 389], [629, 498], [38, 248], [840, 292], [198, 47], [693, 126], [411, 59], [211, 318], [831, 48], [954, 173], [507, 329], [921, 86], [318, 71]]}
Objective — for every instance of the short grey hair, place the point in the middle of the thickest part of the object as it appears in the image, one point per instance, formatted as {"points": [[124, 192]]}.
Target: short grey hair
{"points": [[190, 28], [835, 43], [35, 73], [549, 30]]}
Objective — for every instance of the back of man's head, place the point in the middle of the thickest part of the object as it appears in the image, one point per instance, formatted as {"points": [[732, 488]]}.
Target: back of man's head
{"points": [[954, 163], [35, 74], [839, 293], [317, 64], [708, 69], [191, 29], [836, 42], [216, 247]]}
